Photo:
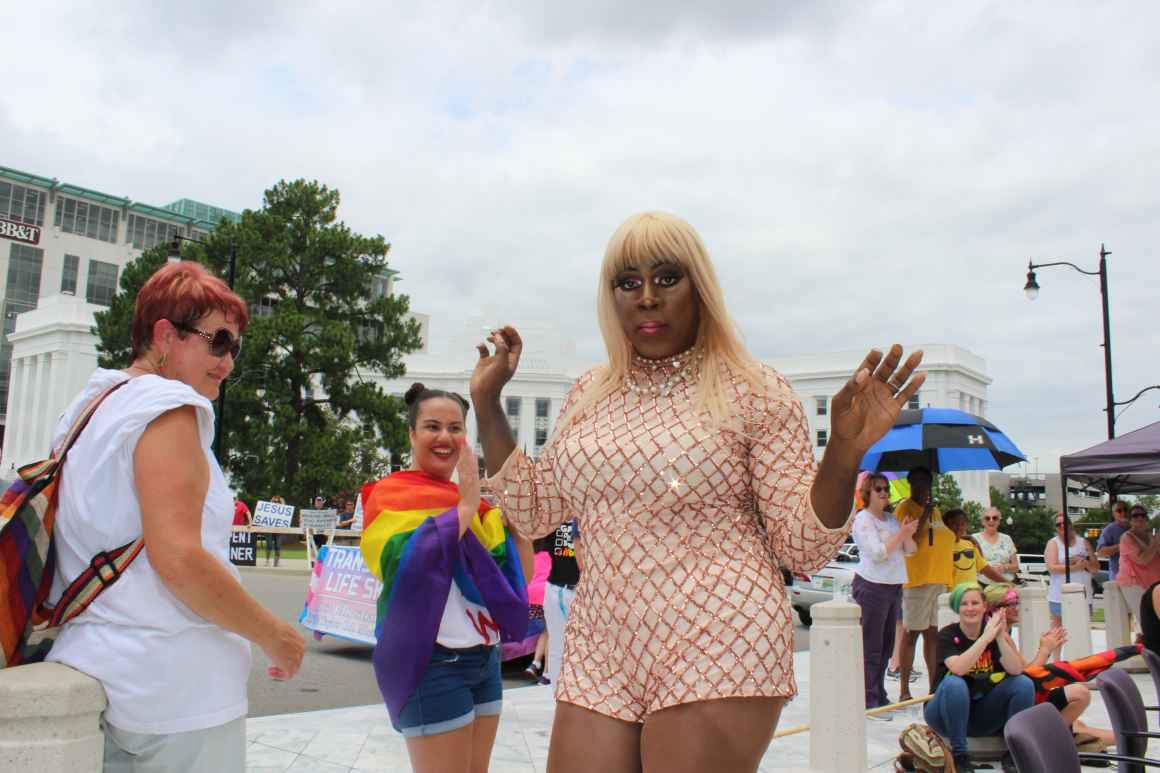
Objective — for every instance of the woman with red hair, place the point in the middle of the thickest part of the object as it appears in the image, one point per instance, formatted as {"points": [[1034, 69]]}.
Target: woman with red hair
{"points": [[170, 640]]}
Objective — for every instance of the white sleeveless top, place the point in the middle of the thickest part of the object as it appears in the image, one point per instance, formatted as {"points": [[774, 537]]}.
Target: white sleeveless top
{"points": [[1081, 576], [164, 668]]}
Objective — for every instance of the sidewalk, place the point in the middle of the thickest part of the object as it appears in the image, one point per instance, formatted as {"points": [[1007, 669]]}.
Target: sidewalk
{"points": [[360, 740]]}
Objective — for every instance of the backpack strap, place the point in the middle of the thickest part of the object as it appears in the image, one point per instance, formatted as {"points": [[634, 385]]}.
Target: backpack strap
{"points": [[106, 567], [103, 570]]}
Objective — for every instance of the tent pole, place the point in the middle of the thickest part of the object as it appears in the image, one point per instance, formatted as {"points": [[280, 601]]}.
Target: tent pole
{"points": [[1066, 531]]}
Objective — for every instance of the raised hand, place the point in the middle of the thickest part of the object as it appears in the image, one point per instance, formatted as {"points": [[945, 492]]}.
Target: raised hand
{"points": [[909, 527], [467, 469], [996, 625], [867, 406], [493, 371]]}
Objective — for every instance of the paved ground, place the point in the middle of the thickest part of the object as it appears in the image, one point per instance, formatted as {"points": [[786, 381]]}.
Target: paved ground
{"points": [[334, 673], [360, 739]]}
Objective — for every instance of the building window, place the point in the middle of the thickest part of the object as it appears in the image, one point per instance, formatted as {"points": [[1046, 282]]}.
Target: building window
{"points": [[24, 267], [542, 407], [68, 277], [511, 408], [102, 283], [145, 232], [914, 404], [24, 205], [91, 220], [823, 404], [822, 435]]}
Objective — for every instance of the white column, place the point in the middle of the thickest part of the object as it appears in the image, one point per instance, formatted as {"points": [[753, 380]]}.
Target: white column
{"points": [[837, 705], [1077, 621], [51, 719], [1118, 625], [1034, 617]]}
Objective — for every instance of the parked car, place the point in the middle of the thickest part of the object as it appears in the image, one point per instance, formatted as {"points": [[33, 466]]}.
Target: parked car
{"points": [[810, 589], [1033, 567]]}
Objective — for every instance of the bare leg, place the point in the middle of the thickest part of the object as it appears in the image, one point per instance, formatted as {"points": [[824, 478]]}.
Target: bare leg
{"points": [[729, 735], [906, 663], [584, 741], [444, 753], [1106, 736], [541, 648], [930, 655], [482, 741], [1079, 697]]}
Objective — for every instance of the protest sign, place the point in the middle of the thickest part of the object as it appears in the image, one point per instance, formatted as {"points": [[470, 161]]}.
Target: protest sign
{"points": [[319, 520], [358, 513], [242, 551], [342, 596], [273, 515]]}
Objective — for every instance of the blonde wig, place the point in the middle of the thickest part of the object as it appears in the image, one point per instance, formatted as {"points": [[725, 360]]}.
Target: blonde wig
{"points": [[655, 236]]}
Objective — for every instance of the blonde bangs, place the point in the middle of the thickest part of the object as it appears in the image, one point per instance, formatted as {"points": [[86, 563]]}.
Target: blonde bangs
{"points": [[648, 238]]}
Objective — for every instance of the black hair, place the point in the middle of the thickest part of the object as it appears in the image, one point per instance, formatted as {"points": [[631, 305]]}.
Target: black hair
{"points": [[920, 470], [419, 394]]}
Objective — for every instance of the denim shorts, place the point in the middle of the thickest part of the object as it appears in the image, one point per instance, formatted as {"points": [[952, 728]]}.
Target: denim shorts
{"points": [[457, 687], [1055, 608]]}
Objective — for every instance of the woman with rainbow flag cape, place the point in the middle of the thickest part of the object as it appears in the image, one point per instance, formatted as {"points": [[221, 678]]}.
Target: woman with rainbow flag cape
{"points": [[453, 590], [688, 465]]}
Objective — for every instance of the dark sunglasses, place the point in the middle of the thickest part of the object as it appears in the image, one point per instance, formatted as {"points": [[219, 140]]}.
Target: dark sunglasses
{"points": [[1005, 605], [990, 518], [964, 554], [883, 489], [219, 343], [1059, 525]]}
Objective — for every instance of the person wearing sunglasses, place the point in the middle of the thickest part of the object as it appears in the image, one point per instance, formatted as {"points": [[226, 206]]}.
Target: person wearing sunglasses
{"points": [[170, 640], [1108, 545], [1083, 563], [1139, 560], [998, 548], [878, 579], [967, 557]]}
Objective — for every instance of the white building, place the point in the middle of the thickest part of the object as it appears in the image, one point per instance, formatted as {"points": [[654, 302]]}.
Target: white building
{"points": [[63, 242], [955, 378]]}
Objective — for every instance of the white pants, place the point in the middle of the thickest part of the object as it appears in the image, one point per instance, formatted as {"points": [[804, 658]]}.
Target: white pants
{"points": [[1133, 596], [220, 749], [557, 602]]}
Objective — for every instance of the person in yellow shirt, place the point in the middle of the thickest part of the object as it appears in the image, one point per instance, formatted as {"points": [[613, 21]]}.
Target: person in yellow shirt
{"points": [[967, 558], [929, 572]]}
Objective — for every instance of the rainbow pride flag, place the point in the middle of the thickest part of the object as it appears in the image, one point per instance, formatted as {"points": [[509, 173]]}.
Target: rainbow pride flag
{"points": [[411, 542]]}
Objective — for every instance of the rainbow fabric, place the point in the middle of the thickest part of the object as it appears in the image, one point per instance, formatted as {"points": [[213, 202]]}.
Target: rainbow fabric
{"points": [[411, 542]]}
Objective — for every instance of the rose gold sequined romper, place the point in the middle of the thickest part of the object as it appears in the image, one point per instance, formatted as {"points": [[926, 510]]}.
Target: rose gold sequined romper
{"points": [[682, 531]]}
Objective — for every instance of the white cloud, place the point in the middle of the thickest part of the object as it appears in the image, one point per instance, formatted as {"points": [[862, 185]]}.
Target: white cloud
{"points": [[862, 172]]}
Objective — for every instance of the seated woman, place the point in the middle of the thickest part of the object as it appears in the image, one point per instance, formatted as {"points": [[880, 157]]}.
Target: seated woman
{"points": [[1072, 699], [968, 554], [979, 684]]}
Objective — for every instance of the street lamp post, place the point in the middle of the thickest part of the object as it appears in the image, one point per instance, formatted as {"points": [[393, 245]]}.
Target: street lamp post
{"points": [[219, 445], [1032, 291]]}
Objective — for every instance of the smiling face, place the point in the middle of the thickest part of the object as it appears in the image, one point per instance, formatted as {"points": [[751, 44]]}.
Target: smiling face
{"points": [[437, 437], [188, 357], [1138, 521], [657, 307], [971, 607]]}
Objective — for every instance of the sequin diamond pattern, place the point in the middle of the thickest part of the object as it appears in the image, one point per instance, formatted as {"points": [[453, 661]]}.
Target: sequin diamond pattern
{"points": [[683, 529]]}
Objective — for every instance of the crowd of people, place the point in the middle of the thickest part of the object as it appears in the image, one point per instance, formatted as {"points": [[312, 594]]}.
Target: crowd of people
{"points": [[683, 461]]}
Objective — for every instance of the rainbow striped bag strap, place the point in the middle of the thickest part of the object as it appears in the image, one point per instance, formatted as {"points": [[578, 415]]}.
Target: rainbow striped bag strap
{"points": [[28, 557]]}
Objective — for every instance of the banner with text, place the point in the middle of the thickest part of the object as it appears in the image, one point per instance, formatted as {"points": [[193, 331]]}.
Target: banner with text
{"points": [[242, 551], [342, 596], [273, 515]]}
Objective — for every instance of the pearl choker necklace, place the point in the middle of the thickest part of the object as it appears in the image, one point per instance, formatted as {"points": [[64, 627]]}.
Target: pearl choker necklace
{"points": [[684, 365]]}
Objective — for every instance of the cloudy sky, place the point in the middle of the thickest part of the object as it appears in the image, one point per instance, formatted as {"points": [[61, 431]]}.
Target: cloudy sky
{"points": [[863, 172]]}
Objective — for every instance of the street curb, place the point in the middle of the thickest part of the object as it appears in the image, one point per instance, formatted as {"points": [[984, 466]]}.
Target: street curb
{"points": [[274, 570]]}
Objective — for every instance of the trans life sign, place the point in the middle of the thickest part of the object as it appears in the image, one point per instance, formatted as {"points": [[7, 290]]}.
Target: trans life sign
{"points": [[342, 596], [273, 515]]}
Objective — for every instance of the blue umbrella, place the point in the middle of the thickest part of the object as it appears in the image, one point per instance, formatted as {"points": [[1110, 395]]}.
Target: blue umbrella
{"points": [[944, 440]]}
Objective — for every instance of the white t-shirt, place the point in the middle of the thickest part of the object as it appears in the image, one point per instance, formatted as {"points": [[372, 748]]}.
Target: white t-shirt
{"points": [[1081, 576], [874, 562], [465, 624], [164, 668]]}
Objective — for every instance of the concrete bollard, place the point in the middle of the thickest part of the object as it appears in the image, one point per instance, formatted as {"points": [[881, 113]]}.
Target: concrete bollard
{"points": [[1117, 624], [837, 698], [51, 719], [946, 615], [1077, 621], [1034, 617]]}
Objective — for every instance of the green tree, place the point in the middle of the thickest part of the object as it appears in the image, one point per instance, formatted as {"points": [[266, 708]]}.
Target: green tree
{"points": [[304, 414], [946, 492], [1030, 527], [114, 324]]}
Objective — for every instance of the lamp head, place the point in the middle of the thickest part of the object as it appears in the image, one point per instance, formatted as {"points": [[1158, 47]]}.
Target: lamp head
{"points": [[1031, 289]]}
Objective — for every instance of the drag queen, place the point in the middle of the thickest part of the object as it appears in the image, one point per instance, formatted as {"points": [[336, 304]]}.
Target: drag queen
{"points": [[688, 466]]}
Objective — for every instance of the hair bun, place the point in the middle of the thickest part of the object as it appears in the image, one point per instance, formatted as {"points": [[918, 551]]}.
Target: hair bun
{"points": [[413, 393]]}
